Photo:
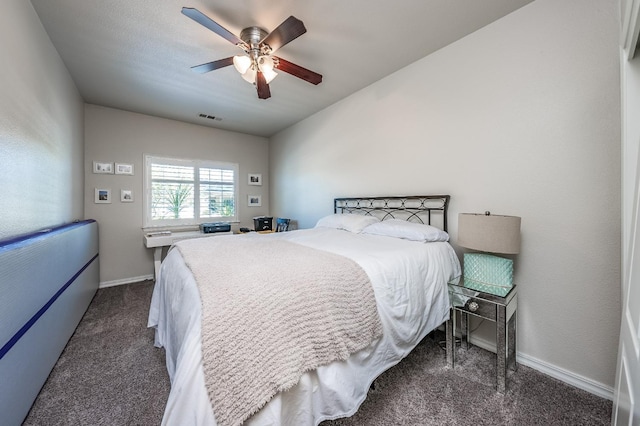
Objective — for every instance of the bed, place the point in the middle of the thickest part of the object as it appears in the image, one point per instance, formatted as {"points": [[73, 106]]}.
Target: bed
{"points": [[399, 243]]}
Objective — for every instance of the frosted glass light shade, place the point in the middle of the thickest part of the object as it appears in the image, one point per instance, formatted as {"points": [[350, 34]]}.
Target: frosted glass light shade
{"points": [[241, 63], [265, 63], [245, 66], [269, 75], [250, 75]]}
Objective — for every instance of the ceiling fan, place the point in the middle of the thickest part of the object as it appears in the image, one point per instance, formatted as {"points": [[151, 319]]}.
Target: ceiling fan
{"points": [[259, 64]]}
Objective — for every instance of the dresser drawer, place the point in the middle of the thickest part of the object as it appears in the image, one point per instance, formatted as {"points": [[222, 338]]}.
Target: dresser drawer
{"points": [[480, 307]]}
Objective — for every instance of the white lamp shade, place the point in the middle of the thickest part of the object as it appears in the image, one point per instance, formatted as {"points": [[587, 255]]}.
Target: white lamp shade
{"points": [[269, 75], [250, 75], [265, 63], [242, 63], [489, 233]]}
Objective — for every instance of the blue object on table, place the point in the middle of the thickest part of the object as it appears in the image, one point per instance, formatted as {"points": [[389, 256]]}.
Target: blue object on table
{"points": [[488, 273]]}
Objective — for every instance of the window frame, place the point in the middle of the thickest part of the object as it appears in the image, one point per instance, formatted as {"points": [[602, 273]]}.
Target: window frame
{"points": [[150, 159]]}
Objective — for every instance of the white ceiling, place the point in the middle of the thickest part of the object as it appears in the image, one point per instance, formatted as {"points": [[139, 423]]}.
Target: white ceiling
{"points": [[136, 55]]}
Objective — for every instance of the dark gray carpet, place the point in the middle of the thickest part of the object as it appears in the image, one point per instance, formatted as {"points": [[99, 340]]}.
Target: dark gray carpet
{"points": [[421, 390], [110, 374]]}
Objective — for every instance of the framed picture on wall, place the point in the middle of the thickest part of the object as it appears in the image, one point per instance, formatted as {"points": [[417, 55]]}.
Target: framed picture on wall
{"points": [[100, 167], [124, 169], [254, 200], [102, 196], [255, 179], [126, 196]]}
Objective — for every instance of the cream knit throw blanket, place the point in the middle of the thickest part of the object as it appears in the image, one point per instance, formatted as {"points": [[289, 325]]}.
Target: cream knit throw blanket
{"points": [[272, 310]]}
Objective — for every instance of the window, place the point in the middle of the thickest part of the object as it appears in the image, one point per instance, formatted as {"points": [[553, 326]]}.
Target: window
{"points": [[186, 192]]}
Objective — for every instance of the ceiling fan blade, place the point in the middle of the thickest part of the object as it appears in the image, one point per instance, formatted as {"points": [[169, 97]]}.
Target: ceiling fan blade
{"points": [[209, 23], [263, 88], [298, 71], [210, 66], [287, 31]]}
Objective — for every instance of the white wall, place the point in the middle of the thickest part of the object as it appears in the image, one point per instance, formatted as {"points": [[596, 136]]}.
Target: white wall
{"points": [[41, 125], [521, 118], [117, 136]]}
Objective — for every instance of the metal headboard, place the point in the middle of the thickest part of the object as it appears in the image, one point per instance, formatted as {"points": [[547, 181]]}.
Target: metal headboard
{"points": [[413, 208]]}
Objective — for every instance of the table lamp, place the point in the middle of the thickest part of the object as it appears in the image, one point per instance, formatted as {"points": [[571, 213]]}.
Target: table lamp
{"points": [[489, 233]]}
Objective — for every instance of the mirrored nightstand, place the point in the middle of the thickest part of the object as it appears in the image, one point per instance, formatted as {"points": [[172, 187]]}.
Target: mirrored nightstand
{"points": [[501, 310]]}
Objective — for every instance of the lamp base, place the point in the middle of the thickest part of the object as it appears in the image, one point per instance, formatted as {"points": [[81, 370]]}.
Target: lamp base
{"points": [[487, 273]]}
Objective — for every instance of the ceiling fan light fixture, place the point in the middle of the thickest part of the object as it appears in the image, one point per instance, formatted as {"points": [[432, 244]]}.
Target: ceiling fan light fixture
{"points": [[269, 75], [265, 63], [250, 75], [242, 63]]}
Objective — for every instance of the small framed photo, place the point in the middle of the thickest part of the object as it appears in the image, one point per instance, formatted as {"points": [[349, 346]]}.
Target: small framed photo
{"points": [[126, 196], [124, 169], [102, 196], [255, 179], [254, 200], [105, 168]]}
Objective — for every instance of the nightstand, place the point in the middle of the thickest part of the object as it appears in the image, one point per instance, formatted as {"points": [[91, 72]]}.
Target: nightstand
{"points": [[501, 310]]}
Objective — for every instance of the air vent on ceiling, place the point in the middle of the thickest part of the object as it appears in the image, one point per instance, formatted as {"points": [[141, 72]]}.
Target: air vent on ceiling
{"points": [[210, 117]]}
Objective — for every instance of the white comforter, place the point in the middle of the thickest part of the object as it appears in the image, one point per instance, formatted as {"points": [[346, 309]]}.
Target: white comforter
{"points": [[409, 280]]}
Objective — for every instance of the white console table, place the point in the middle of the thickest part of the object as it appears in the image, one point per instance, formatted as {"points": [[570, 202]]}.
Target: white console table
{"points": [[158, 241]]}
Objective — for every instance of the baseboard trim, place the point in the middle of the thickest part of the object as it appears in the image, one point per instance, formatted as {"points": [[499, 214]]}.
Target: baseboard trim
{"points": [[105, 284], [554, 371]]}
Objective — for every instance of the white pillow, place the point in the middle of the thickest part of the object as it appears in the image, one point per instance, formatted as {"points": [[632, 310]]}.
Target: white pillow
{"points": [[350, 222], [407, 230]]}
